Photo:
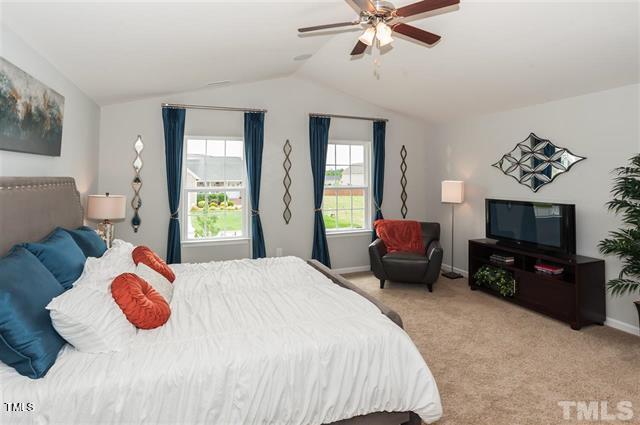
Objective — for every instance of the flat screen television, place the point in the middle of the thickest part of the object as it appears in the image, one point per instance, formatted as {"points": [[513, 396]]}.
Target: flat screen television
{"points": [[537, 225]]}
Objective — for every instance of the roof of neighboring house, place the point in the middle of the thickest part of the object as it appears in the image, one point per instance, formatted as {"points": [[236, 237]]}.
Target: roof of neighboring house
{"points": [[354, 169], [215, 167]]}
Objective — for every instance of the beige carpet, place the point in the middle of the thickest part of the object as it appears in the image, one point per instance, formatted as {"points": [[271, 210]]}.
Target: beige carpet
{"points": [[496, 363]]}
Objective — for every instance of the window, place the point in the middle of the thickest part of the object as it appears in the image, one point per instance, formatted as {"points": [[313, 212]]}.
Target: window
{"points": [[346, 201], [214, 191]]}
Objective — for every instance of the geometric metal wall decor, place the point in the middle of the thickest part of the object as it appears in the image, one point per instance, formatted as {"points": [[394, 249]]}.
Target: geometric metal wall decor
{"points": [[403, 181], [286, 182], [136, 184], [535, 162]]}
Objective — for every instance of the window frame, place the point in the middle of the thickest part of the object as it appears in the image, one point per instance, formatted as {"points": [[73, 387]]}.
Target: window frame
{"points": [[368, 201], [184, 191]]}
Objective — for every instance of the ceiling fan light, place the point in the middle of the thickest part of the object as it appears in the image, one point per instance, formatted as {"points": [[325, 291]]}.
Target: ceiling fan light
{"points": [[386, 41], [383, 33], [367, 36]]}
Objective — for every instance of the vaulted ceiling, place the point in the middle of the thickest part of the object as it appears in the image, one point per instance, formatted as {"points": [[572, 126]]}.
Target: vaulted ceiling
{"points": [[493, 55]]}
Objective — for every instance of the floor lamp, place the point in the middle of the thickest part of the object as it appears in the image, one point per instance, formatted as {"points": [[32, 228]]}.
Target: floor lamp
{"points": [[452, 193]]}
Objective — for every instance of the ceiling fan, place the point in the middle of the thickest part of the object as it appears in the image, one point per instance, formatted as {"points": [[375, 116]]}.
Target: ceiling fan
{"points": [[383, 19]]}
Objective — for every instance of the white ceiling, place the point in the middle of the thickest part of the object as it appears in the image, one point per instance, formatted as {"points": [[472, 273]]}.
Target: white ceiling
{"points": [[493, 55]]}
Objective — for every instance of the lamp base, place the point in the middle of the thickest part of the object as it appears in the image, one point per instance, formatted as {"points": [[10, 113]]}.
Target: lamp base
{"points": [[452, 275], [106, 232]]}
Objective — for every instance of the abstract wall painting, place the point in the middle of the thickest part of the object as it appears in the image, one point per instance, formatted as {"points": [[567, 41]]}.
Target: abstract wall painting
{"points": [[31, 113]]}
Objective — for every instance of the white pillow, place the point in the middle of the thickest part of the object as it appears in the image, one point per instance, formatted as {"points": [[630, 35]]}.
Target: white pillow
{"points": [[115, 261], [90, 320], [160, 283], [86, 315]]}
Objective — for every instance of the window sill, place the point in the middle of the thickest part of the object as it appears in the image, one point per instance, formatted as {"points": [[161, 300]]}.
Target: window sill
{"points": [[218, 242], [348, 233]]}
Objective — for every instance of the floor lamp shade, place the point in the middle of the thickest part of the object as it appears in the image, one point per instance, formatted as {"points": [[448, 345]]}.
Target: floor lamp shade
{"points": [[452, 191]]}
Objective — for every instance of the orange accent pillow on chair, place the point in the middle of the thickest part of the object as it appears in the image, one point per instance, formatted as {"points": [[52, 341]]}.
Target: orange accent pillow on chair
{"points": [[143, 254], [141, 304]]}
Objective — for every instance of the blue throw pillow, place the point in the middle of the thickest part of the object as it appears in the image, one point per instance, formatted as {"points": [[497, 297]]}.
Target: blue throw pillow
{"points": [[28, 341], [61, 256], [88, 240]]}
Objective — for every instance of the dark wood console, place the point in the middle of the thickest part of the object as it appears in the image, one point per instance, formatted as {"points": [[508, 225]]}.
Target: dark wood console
{"points": [[576, 297]]}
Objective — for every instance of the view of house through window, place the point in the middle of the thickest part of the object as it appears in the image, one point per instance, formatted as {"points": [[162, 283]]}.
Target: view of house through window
{"points": [[345, 204], [214, 188]]}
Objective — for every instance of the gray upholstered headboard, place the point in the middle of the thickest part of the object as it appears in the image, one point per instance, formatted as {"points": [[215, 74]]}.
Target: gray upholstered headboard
{"points": [[31, 207]]}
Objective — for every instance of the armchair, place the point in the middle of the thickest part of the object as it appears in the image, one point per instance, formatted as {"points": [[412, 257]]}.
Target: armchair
{"points": [[408, 266]]}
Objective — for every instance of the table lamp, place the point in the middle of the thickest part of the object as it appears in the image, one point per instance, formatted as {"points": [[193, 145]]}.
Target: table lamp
{"points": [[452, 193], [106, 208]]}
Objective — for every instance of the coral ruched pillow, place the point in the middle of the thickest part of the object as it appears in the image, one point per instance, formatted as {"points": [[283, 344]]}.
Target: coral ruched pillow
{"points": [[144, 307], [143, 254]]}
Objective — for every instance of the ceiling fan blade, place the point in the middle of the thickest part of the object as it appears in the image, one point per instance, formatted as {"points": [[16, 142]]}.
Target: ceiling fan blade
{"points": [[324, 27], [416, 33], [359, 48], [366, 5], [423, 6]]}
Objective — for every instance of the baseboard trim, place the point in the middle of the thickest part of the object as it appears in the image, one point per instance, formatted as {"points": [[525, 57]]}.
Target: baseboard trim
{"points": [[622, 326], [345, 270], [447, 268]]}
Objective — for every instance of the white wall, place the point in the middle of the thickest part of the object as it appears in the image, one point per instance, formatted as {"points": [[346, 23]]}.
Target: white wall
{"points": [[289, 100], [79, 158], [601, 126]]}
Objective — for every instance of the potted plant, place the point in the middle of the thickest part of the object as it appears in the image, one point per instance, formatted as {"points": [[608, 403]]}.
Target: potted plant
{"points": [[625, 242], [497, 279]]}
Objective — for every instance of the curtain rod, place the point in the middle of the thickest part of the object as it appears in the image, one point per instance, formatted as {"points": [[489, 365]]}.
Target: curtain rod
{"points": [[212, 108], [349, 117]]}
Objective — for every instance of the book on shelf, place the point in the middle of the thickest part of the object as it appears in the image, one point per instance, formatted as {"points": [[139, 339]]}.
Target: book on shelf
{"points": [[549, 269], [501, 259]]}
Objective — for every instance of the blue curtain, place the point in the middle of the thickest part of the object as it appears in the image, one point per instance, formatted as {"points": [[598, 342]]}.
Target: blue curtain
{"points": [[253, 143], [173, 120], [379, 130], [318, 144]]}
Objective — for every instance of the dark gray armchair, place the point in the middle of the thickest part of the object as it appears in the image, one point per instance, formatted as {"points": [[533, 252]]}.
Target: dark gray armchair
{"points": [[409, 266]]}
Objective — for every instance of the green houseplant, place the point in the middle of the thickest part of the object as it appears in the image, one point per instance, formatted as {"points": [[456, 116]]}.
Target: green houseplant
{"points": [[624, 243], [497, 279]]}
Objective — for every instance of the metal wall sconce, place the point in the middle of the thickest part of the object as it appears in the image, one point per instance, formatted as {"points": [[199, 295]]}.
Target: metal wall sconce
{"points": [[136, 184]]}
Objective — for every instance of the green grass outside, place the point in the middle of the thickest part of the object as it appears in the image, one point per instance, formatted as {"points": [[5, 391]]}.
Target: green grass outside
{"points": [[212, 223], [342, 219], [342, 202], [231, 220]]}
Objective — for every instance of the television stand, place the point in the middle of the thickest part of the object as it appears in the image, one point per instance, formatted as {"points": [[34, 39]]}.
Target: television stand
{"points": [[576, 296]]}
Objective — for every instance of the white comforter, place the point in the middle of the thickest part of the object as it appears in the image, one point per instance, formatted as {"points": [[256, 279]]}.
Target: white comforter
{"points": [[268, 341]]}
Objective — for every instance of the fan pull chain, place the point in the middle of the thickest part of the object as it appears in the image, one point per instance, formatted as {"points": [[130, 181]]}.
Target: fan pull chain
{"points": [[376, 61]]}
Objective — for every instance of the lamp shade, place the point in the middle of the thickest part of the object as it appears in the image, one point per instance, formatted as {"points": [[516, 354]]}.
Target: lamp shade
{"points": [[452, 191], [383, 33], [367, 36], [106, 207]]}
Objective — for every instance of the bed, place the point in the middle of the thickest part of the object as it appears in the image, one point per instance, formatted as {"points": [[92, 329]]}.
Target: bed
{"points": [[276, 340]]}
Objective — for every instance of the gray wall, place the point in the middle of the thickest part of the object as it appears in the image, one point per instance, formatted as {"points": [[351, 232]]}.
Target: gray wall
{"points": [[601, 126], [79, 157], [289, 100]]}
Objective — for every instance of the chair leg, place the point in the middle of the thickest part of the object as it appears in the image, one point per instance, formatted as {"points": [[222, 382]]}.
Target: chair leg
{"points": [[382, 283], [430, 286]]}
